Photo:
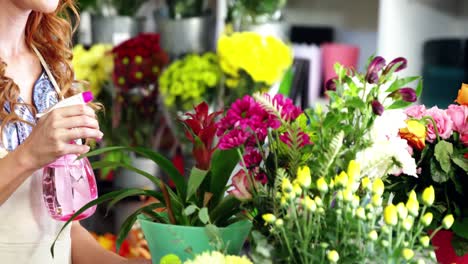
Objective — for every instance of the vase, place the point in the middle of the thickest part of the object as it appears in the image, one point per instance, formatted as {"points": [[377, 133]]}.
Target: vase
{"points": [[186, 35], [115, 29], [278, 29], [444, 251], [188, 241]]}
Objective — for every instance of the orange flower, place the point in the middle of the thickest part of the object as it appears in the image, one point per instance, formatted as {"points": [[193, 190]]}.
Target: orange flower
{"points": [[462, 97], [415, 134]]}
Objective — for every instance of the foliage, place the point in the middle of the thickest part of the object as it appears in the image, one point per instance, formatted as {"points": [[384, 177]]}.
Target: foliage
{"points": [[112, 7], [198, 199], [257, 10], [336, 220], [179, 9], [439, 140], [191, 80]]}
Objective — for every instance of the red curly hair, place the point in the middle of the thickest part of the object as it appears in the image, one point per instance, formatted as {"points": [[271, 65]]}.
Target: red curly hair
{"points": [[51, 34]]}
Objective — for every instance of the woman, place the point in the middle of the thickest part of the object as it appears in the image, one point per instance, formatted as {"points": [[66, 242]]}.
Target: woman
{"points": [[29, 28]]}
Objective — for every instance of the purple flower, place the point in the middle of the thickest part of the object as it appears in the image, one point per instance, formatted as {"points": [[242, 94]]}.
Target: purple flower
{"points": [[261, 177], [374, 68], [233, 139], [406, 94], [330, 85], [402, 64], [377, 107], [252, 159]]}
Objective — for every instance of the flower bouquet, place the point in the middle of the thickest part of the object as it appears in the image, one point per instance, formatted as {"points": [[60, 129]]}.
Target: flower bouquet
{"points": [[196, 216], [439, 139]]}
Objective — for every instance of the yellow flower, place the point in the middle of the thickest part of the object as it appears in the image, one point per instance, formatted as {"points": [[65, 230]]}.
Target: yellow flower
{"points": [[408, 223], [286, 185], [269, 218], [425, 240], [366, 183], [310, 204], [348, 195], [378, 186], [408, 254], [354, 172], [421, 261], [402, 211], [414, 133], [462, 97], [373, 235], [318, 201], [361, 213], [170, 259], [279, 223], [297, 189], [303, 177], [412, 204], [427, 219], [356, 201], [428, 196], [322, 185], [447, 222], [341, 180], [333, 256], [390, 215], [376, 200], [283, 201]]}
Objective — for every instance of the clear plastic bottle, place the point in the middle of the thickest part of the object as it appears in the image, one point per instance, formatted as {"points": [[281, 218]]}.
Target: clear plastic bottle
{"points": [[67, 185]]}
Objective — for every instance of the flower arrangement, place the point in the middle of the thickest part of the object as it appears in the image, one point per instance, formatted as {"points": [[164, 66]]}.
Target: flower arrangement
{"points": [[191, 80], [439, 139], [243, 58], [185, 8], [93, 65], [207, 257], [138, 63], [346, 221], [258, 10]]}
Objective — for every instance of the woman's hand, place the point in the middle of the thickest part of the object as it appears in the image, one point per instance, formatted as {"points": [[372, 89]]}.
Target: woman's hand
{"points": [[54, 133]]}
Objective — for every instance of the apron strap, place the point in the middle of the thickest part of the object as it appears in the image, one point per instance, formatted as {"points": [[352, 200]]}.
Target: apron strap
{"points": [[49, 73]]}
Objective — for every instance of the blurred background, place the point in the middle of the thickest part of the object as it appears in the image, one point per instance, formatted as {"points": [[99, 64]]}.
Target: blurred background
{"points": [[184, 40]]}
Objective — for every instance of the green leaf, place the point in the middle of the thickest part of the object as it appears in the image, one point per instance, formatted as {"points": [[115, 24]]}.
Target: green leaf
{"points": [[165, 164], [222, 165], [228, 207], [203, 215], [443, 151], [460, 245], [419, 88], [130, 221], [356, 102], [286, 83], [461, 162], [190, 210], [134, 192], [100, 200], [399, 104], [399, 83], [437, 174], [460, 228], [196, 178]]}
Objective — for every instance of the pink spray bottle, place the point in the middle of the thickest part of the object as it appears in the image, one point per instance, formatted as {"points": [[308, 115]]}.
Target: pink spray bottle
{"points": [[69, 183]]}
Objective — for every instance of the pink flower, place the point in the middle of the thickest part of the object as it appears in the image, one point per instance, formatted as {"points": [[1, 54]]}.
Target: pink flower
{"points": [[252, 159], [443, 122], [241, 186], [304, 139], [464, 139], [261, 177], [416, 111], [458, 114], [288, 110], [233, 139]]}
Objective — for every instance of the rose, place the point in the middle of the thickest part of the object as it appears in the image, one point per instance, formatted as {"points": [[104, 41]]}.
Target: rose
{"points": [[443, 122], [416, 111], [414, 133], [458, 114], [241, 186], [462, 97]]}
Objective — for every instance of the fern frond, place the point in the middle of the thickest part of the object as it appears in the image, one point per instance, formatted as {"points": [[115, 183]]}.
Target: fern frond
{"points": [[281, 173], [267, 103], [335, 146]]}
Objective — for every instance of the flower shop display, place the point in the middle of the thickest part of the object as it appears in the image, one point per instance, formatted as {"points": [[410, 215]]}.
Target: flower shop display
{"points": [[439, 139], [191, 80], [186, 27], [197, 207], [113, 21], [252, 62], [93, 65]]}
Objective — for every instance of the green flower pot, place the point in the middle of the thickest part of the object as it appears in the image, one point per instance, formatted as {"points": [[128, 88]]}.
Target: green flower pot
{"points": [[187, 241]]}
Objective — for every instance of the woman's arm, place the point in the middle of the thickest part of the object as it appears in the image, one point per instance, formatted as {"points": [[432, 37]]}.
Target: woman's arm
{"points": [[49, 140], [86, 250]]}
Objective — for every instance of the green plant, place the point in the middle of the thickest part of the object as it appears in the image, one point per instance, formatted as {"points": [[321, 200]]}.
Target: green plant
{"points": [[185, 8], [119, 7], [198, 199], [256, 10]]}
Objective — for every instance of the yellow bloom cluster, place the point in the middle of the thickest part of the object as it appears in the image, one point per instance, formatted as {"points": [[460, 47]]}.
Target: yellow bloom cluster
{"points": [[263, 58], [218, 258], [188, 81], [94, 65]]}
